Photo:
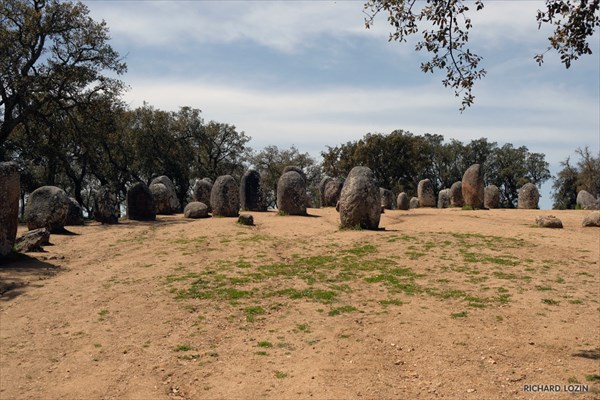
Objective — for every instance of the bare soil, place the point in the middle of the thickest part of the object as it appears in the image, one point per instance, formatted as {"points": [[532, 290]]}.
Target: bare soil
{"points": [[438, 304]]}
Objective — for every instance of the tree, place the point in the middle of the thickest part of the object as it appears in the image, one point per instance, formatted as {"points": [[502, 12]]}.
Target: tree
{"points": [[52, 57], [446, 34], [571, 179]]}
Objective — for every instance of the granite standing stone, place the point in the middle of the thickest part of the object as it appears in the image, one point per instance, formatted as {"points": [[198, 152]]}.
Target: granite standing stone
{"points": [[251, 194], [403, 201], [491, 197], [444, 198], [140, 203], [473, 187], [456, 196], [529, 197], [201, 191], [106, 206], [225, 197], [425, 193], [291, 194], [360, 202]]}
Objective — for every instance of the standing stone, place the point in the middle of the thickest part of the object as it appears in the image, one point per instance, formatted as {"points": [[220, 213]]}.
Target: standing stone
{"points": [[106, 207], [196, 209], [10, 189], [225, 197], [251, 194], [332, 192], [387, 199], [444, 198], [425, 193], [587, 201], [360, 202], [295, 169], [491, 197], [456, 196], [140, 203], [201, 191], [473, 186], [322, 185], [47, 207], [75, 213], [165, 195], [403, 201], [414, 202], [529, 197], [291, 194]]}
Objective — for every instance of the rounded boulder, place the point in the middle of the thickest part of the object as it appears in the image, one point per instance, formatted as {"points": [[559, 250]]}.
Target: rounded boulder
{"points": [[201, 191], [529, 197], [164, 194], [47, 207], [196, 209], [491, 197], [291, 194], [403, 201], [473, 186], [456, 196], [225, 197], [360, 201], [425, 193]]}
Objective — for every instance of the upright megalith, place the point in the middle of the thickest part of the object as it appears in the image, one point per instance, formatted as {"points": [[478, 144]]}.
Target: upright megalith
{"points": [[473, 187], [444, 198], [360, 201], [75, 213], [295, 169], [47, 207], [403, 202], [425, 193], [322, 185], [414, 202], [332, 192], [587, 201], [201, 191], [251, 193], [10, 189], [140, 203], [164, 195], [291, 194], [529, 197], [456, 196], [225, 197], [491, 197], [387, 199], [106, 206]]}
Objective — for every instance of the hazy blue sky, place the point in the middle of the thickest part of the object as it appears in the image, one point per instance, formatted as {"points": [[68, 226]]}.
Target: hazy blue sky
{"points": [[308, 73]]}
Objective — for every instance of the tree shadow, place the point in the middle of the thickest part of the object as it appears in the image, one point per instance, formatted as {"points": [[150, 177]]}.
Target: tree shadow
{"points": [[18, 271], [593, 354]]}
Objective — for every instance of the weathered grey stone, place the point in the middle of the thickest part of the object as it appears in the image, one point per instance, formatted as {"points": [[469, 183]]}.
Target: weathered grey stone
{"points": [[32, 240], [425, 193], [414, 202], [444, 198], [165, 196], [225, 197], [47, 207], [291, 194], [75, 213], [456, 196], [360, 201], [473, 187], [140, 203], [387, 199], [587, 201], [491, 197], [246, 219], [106, 207], [403, 201], [10, 190], [528, 197], [332, 191], [201, 191], [296, 169], [322, 185], [196, 209], [549, 222], [251, 194], [592, 219]]}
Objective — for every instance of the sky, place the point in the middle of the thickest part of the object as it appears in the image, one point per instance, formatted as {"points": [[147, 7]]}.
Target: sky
{"points": [[308, 73]]}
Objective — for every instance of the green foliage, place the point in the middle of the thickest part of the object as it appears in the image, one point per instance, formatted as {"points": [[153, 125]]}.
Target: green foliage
{"points": [[445, 27], [585, 175]]}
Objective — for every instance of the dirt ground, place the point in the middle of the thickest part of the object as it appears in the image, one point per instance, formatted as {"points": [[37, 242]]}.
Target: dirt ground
{"points": [[438, 304]]}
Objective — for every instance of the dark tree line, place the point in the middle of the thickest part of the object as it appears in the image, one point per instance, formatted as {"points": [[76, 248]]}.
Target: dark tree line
{"points": [[400, 160], [583, 175]]}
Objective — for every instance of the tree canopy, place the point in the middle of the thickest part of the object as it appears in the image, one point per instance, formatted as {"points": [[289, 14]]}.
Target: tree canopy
{"points": [[445, 25], [53, 56]]}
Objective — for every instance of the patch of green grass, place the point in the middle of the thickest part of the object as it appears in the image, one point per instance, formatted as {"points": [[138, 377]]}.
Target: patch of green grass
{"points": [[319, 295], [183, 347], [363, 250], [461, 314], [261, 353], [550, 302], [178, 278], [394, 302], [342, 310], [510, 276], [280, 374], [103, 314], [592, 378], [543, 288], [303, 328], [189, 357], [265, 344], [576, 301], [499, 318], [572, 379], [559, 279], [252, 312]]}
